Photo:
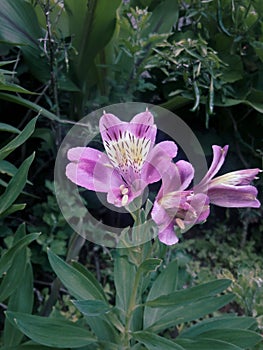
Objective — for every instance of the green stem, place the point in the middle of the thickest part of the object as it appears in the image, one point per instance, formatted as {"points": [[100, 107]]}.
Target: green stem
{"points": [[130, 311]]}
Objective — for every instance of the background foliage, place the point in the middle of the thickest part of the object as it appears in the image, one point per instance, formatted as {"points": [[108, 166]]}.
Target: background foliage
{"points": [[61, 59]]}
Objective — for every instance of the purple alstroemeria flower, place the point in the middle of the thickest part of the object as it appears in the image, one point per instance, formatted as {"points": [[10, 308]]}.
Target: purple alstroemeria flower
{"points": [[175, 206], [232, 189], [130, 163]]}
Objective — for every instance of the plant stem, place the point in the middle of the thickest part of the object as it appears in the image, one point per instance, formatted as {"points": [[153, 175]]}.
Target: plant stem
{"points": [[130, 310]]}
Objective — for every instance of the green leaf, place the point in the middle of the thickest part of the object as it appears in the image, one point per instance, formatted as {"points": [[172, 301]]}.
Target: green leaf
{"points": [[19, 25], [189, 312], [163, 18], [9, 255], [90, 277], [218, 322], [124, 276], [206, 344], [82, 285], [9, 169], [12, 209], [79, 285], [14, 276], [243, 338], [166, 282], [31, 105], [15, 185], [18, 140], [14, 88], [92, 307], [51, 332], [21, 301], [155, 342], [97, 28], [150, 265], [30, 346], [190, 294], [9, 128]]}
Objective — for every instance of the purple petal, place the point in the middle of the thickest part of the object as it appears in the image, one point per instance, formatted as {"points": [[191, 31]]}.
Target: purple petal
{"points": [[185, 172], [160, 216], [158, 161], [198, 211], [176, 177], [234, 196], [145, 118], [91, 169], [219, 155], [168, 236], [111, 127], [236, 178], [142, 126]]}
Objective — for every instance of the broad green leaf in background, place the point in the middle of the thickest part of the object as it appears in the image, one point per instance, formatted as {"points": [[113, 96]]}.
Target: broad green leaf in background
{"points": [[18, 140], [8, 257], [97, 29], [163, 17], [19, 25], [15, 185], [79, 285], [51, 332]]}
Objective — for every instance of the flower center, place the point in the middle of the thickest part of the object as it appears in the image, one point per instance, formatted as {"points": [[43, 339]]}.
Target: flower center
{"points": [[128, 151]]}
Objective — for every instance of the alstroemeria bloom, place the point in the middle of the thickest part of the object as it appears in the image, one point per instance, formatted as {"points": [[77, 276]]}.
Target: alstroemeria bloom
{"points": [[232, 189], [175, 206], [130, 163]]}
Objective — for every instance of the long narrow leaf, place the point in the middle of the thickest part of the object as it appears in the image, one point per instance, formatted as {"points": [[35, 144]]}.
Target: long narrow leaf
{"points": [[21, 301], [226, 322], [50, 331], [79, 285], [15, 185], [8, 256], [189, 312], [155, 342], [190, 294], [18, 140]]}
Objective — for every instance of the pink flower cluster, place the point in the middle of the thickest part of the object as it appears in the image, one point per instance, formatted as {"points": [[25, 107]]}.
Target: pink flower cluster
{"points": [[133, 160]]}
